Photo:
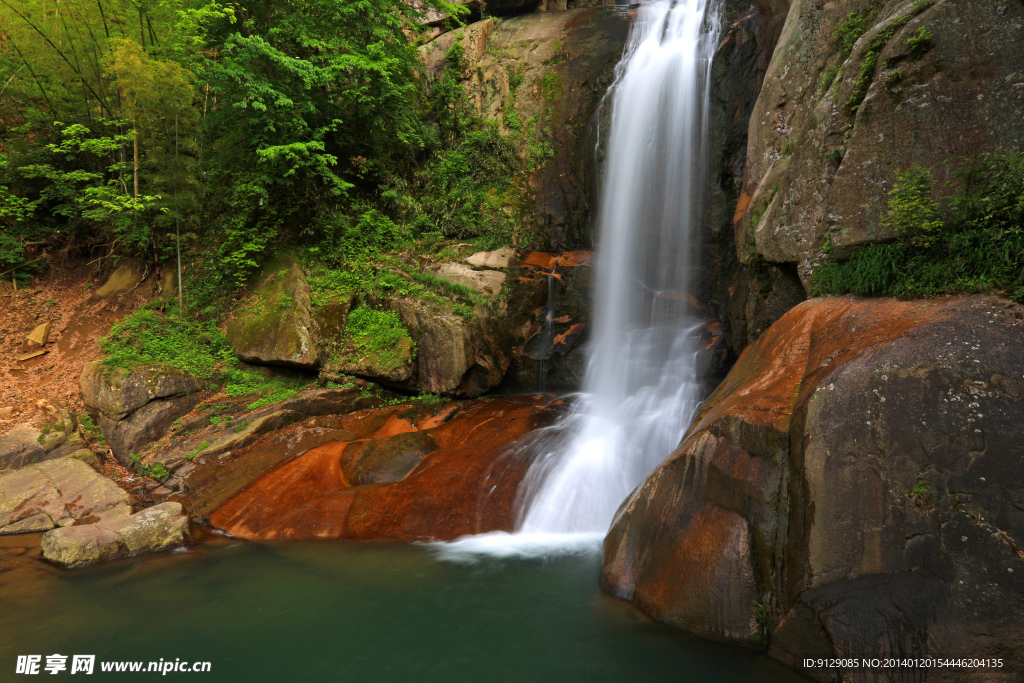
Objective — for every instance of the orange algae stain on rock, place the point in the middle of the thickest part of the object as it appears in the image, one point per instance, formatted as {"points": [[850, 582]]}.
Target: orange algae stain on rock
{"points": [[574, 259], [467, 485], [779, 371], [539, 259]]}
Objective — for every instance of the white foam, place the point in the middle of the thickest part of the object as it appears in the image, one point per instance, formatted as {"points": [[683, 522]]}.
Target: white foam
{"points": [[520, 546]]}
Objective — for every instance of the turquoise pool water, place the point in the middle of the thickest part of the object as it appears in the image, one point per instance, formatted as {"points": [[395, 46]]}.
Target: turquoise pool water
{"points": [[336, 611]]}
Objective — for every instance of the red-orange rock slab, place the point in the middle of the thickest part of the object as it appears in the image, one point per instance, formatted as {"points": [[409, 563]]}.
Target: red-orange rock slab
{"points": [[468, 485]]}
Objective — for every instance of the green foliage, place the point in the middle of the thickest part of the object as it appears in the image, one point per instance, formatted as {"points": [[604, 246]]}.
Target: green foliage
{"points": [[377, 335], [757, 214], [149, 338], [828, 77], [923, 492], [892, 80], [973, 244], [870, 64], [919, 43], [155, 471], [789, 148], [763, 615], [273, 389], [89, 429], [912, 214], [851, 29], [198, 449]]}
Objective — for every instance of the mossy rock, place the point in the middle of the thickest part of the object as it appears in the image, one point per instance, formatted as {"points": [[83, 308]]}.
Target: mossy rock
{"points": [[394, 365], [273, 325]]}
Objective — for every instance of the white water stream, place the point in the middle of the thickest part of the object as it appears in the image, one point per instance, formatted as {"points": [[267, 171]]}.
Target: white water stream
{"points": [[641, 386]]}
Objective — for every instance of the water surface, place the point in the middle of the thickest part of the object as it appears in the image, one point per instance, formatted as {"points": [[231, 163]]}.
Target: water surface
{"points": [[338, 611]]}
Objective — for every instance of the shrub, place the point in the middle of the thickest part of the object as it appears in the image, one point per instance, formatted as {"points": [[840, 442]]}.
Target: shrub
{"points": [[912, 214], [974, 244]]}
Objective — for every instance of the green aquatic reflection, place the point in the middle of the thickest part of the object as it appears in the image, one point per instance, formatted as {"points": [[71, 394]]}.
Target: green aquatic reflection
{"points": [[356, 612]]}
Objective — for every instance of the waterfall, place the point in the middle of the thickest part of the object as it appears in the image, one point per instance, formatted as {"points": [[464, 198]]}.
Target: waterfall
{"points": [[641, 386]]}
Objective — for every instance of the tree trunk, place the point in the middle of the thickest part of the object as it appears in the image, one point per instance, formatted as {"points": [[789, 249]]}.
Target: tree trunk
{"points": [[135, 145]]}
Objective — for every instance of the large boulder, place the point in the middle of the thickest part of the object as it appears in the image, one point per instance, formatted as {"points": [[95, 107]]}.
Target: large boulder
{"points": [[928, 82], [273, 325], [57, 493], [731, 287], [119, 392], [853, 487], [136, 407], [454, 355], [157, 528]]}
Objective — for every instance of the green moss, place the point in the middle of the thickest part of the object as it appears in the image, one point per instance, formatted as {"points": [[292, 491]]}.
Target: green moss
{"points": [[892, 80], [155, 471], [552, 84], [378, 337], [199, 449], [828, 77], [851, 29], [757, 214]]}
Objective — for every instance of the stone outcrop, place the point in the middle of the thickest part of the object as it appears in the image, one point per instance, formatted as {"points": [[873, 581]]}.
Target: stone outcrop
{"points": [[853, 487], [928, 82], [453, 355], [214, 452], [57, 493], [273, 325], [401, 472], [20, 447], [136, 407], [544, 75], [487, 282], [154, 529]]}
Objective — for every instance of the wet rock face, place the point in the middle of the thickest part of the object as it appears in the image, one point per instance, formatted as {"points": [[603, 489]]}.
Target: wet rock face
{"points": [[273, 326], [404, 472], [751, 33], [948, 82], [853, 487], [551, 304], [548, 71]]}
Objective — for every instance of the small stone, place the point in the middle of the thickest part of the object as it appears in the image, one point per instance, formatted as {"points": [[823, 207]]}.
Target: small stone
{"points": [[40, 335]]}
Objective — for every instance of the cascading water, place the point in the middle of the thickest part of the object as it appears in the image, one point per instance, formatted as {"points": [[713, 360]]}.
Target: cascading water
{"points": [[641, 386]]}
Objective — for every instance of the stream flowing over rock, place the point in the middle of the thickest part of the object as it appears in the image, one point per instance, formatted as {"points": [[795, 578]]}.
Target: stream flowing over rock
{"points": [[853, 488]]}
